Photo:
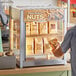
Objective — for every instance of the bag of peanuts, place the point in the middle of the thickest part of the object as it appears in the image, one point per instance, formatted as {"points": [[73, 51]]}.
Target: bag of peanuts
{"points": [[47, 47], [29, 46], [38, 46], [43, 28], [34, 28], [28, 24], [52, 27], [53, 43]]}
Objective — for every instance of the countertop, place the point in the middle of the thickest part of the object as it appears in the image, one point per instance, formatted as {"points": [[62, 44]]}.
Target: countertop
{"points": [[36, 69]]}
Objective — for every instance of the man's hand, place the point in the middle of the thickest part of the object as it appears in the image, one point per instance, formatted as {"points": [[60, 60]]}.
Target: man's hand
{"points": [[56, 48], [58, 51]]}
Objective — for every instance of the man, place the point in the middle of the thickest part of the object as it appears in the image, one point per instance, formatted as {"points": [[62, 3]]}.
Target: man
{"points": [[69, 42], [3, 20]]}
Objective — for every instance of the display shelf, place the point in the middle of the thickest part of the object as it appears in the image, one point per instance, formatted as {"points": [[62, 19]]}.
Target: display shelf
{"points": [[41, 57], [44, 35], [46, 60]]}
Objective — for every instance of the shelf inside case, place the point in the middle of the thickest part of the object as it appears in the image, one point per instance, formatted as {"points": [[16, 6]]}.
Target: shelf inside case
{"points": [[45, 35]]}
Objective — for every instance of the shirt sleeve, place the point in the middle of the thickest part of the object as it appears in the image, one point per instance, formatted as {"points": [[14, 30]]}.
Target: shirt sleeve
{"points": [[66, 44], [3, 16]]}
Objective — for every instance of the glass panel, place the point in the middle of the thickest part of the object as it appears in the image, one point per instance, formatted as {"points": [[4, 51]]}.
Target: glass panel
{"points": [[43, 25], [15, 31]]}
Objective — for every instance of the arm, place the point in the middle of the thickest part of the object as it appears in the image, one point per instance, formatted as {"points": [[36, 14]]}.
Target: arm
{"points": [[3, 16], [59, 50]]}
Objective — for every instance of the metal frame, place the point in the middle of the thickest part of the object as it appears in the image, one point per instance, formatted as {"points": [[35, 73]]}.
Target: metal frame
{"points": [[22, 39], [22, 63], [68, 4], [65, 30]]}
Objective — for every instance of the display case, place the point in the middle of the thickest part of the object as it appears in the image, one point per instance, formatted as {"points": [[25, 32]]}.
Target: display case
{"points": [[31, 29]]}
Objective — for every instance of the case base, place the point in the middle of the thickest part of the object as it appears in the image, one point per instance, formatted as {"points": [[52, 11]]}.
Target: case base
{"points": [[35, 63], [7, 62]]}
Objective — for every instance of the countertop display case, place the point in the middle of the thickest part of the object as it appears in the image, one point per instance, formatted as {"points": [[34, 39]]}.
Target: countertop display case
{"points": [[30, 32]]}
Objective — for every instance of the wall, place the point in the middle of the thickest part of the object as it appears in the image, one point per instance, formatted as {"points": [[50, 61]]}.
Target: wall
{"points": [[31, 3], [72, 19], [34, 2]]}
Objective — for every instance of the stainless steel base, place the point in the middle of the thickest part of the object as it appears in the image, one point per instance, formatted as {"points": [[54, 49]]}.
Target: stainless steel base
{"points": [[41, 63]]}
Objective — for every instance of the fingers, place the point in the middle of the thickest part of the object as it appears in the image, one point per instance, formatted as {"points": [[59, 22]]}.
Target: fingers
{"points": [[10, 53], [58, 52], [56, 48]]}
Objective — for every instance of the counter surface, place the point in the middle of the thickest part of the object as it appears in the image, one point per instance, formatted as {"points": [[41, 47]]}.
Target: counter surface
{"points": [[36, 69]]}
